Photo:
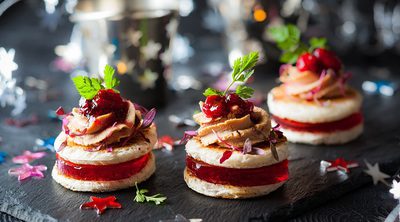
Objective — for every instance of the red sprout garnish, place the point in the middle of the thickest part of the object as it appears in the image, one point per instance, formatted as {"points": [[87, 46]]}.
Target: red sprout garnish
{"points": [[187, 135], [62, 146], [60, 111], [273, 139], [226, 143], [226, 155], [148, 118]]}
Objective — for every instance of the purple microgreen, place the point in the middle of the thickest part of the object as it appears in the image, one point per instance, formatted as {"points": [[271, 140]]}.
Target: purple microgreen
{"points": [[187, 135], [258, 151], [283, 69], [148, 118], [226, 155], [141, 109], [273, 138], [226, 143], [247, 147]]}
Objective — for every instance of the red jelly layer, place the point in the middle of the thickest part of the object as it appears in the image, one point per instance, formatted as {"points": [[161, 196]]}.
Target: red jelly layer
{"points": [[238, 177], [101, 172], [343, 124]]}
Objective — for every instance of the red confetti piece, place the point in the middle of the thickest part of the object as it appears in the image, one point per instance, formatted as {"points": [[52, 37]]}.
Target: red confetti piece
{"points": [[101, 204], [338, 164]]}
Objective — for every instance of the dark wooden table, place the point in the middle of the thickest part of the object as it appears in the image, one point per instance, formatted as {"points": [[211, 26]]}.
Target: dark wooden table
{"points": [[309, 195]]}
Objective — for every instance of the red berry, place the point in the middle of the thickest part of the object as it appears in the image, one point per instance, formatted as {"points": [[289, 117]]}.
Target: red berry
{"points": [[106, 101], [328, 59], [238, 106], [308, 62], [215, 106]]}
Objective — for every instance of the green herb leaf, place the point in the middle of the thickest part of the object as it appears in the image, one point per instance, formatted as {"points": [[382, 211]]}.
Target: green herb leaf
{"points": [[211, 91], [317, 43], [141, 197], [243, 67], [244, 92], [109, 79], [278, 34], [87, 87]]}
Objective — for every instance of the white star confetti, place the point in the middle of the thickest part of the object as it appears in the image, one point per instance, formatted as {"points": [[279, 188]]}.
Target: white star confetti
{"points": [[133, 37], [7, 64], [171, 27], [166, 57], [375, 173], [10, 94], [148, 79], [150, 51], [395, 189]]}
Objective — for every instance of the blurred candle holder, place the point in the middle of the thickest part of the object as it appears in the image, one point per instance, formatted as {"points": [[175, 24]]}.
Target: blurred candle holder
{"points": [[134, 36]]}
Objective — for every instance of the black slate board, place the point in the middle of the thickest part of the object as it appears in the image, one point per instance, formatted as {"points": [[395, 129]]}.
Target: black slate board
{"points": [[307, 187]]}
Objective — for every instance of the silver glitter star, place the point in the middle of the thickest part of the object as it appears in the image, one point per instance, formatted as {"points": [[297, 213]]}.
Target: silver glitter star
{"points": [[150, 51], [148, 79], [395, 189], [133, 37], [375, 173], [7, 64]]}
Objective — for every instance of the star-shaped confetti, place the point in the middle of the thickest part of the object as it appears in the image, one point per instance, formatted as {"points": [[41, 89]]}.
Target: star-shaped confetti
{"points": [[3, 156], [150, 51], [338, 164], [27, 156], [47, 143], [375, 173], [395, 189], [133, 37], [101, 204], [148, 79], [171, 27], [165, 141], [26, 171], [166, 57], [7, 64]]}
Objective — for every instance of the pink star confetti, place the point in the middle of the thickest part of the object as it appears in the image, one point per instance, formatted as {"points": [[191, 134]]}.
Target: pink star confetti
{"points": [[32, 120], [27, 170], [27, 156], [338, 164]]}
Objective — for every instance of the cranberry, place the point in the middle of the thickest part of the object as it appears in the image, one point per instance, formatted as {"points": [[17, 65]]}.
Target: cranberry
{"points": [[106, 101], [308, 62], [328, 59], [238, 106], [215, 106]]}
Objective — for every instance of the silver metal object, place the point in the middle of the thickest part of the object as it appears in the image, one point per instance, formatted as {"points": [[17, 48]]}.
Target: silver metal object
{"points": [[134, 36]]}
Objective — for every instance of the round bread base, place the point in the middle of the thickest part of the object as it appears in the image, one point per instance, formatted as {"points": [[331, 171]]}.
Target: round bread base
{"points": [[104, 186], [337, 137], [227, 191]]}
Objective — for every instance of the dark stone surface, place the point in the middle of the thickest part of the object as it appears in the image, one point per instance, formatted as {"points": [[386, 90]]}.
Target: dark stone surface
{"points": [[309, 195]]}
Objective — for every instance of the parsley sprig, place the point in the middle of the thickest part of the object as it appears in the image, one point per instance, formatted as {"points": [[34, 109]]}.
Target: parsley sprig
{"points": [[141, 197], [243, 68], [287, 38], [89, 87]]}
